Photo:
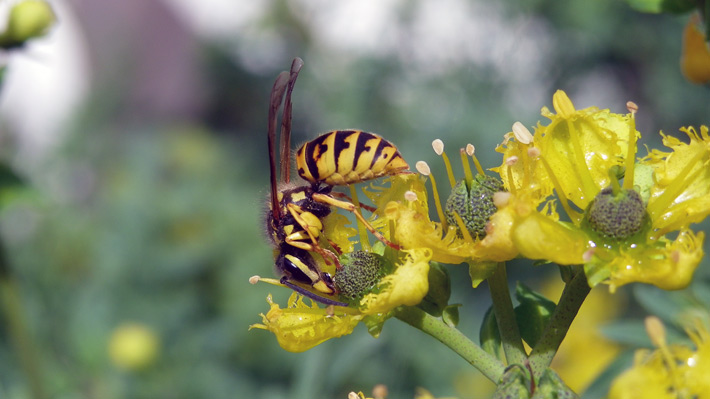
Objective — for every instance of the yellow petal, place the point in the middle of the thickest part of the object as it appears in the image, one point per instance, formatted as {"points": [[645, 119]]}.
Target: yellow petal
{"points": [[538, 236], [408, 285], [681, 194], [581, 146], [300, 327], [668, 265]]}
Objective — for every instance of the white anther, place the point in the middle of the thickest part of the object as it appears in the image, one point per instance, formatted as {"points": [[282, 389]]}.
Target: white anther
{"points": [[438, 146], [254, 279], [512, 160], [501, 198], [470, 149], [410, 196], [632, 107], [533, 152], [423, 168], [522, 134]]}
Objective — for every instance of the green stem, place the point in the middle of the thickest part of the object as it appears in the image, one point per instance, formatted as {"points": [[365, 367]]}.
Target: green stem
{"points": [[505, 316], [489, 366], [572, 298]]}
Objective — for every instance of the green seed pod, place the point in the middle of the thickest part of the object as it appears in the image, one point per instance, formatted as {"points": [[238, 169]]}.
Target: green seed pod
{"points": [[515, 383], [360, 274], [617, 216], [474, 205], [551, 386]]}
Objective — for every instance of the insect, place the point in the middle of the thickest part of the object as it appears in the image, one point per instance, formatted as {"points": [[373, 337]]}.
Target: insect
{"points": [[296, 212]]}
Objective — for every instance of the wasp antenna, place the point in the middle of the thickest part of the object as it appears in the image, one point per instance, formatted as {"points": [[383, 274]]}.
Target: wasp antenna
{"points": [[277, 95], [296, 66], [315, 297]]}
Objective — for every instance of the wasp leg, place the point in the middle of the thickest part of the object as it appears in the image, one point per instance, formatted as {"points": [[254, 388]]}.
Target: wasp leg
{"points": [[343, 195], [312, 295], [313, 227], [326, 199]]}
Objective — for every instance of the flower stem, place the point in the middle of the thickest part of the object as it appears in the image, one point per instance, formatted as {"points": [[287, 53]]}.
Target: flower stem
{"points": [[573, 296], [11, 306], [489, 366], [505, 316]]}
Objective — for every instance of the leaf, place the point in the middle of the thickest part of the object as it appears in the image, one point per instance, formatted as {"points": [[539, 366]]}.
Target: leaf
{"points": [[662, 6], [490, 336], [450, 315], [667, 305], [532, 314]]}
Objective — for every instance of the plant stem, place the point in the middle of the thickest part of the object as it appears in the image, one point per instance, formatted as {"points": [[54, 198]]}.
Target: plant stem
{"points": [[454, 339], [11, 306], [505, 316], [573, 296]]}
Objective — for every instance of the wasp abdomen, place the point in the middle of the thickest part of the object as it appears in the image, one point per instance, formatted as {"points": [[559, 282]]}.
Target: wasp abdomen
{"points": [[343, 157]]}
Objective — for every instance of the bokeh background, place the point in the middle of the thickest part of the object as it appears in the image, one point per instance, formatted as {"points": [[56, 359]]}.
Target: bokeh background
{"points": [[139, 128]]}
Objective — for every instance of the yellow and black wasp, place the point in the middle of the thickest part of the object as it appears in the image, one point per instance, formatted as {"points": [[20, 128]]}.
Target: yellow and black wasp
{"points": [[294, 219]]}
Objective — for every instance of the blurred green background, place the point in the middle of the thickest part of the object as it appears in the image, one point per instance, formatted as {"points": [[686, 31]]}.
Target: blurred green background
{"points": [[139, 127]]}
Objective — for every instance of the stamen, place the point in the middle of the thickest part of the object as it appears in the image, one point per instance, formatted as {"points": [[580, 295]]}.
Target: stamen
{"points": [[438, 146], [657, 332], [259, 279], [575, 216], [471, 151], [522, 134], [631, 154], [533, 152], [379, 391], [615, 187], [509, 172], [580, 163], [362, 231], [462, 228], [410, 196], [588, 254], [424, 169], [501, 199], [353, 395], [466, 167]]}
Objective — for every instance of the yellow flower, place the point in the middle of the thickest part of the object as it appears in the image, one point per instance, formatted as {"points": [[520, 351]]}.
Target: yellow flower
{"points": [[695, 59], [300, 327], [620, 235], [133, 346], [671, 371], [405, 206]]}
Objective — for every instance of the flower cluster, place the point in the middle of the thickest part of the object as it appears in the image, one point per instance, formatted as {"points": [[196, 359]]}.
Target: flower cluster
{"points": [[573, 192]]}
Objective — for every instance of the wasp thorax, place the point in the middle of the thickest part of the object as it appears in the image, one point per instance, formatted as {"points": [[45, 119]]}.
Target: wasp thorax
{"points": [[474, 204], [616, 216], [360, 273]]}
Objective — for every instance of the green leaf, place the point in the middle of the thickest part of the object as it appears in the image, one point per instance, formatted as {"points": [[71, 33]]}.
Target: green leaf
{"points": [[532, 314], [437, 299], [667, 305], [490, 336], [662, 6], [480, 271], [450, 315]]}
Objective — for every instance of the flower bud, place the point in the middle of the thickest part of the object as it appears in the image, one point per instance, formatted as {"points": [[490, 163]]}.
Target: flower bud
{"points": [[474, 205], [28, 19], [617, 216], [360, 273]]}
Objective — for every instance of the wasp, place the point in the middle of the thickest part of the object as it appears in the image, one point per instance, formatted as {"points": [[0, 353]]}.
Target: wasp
{"points": [[294, 220]]}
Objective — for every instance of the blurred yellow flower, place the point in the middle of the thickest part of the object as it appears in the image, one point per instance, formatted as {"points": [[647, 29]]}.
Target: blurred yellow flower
{"points": [[133, 346], [695, 58], [671, 371], [581, 155]]}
